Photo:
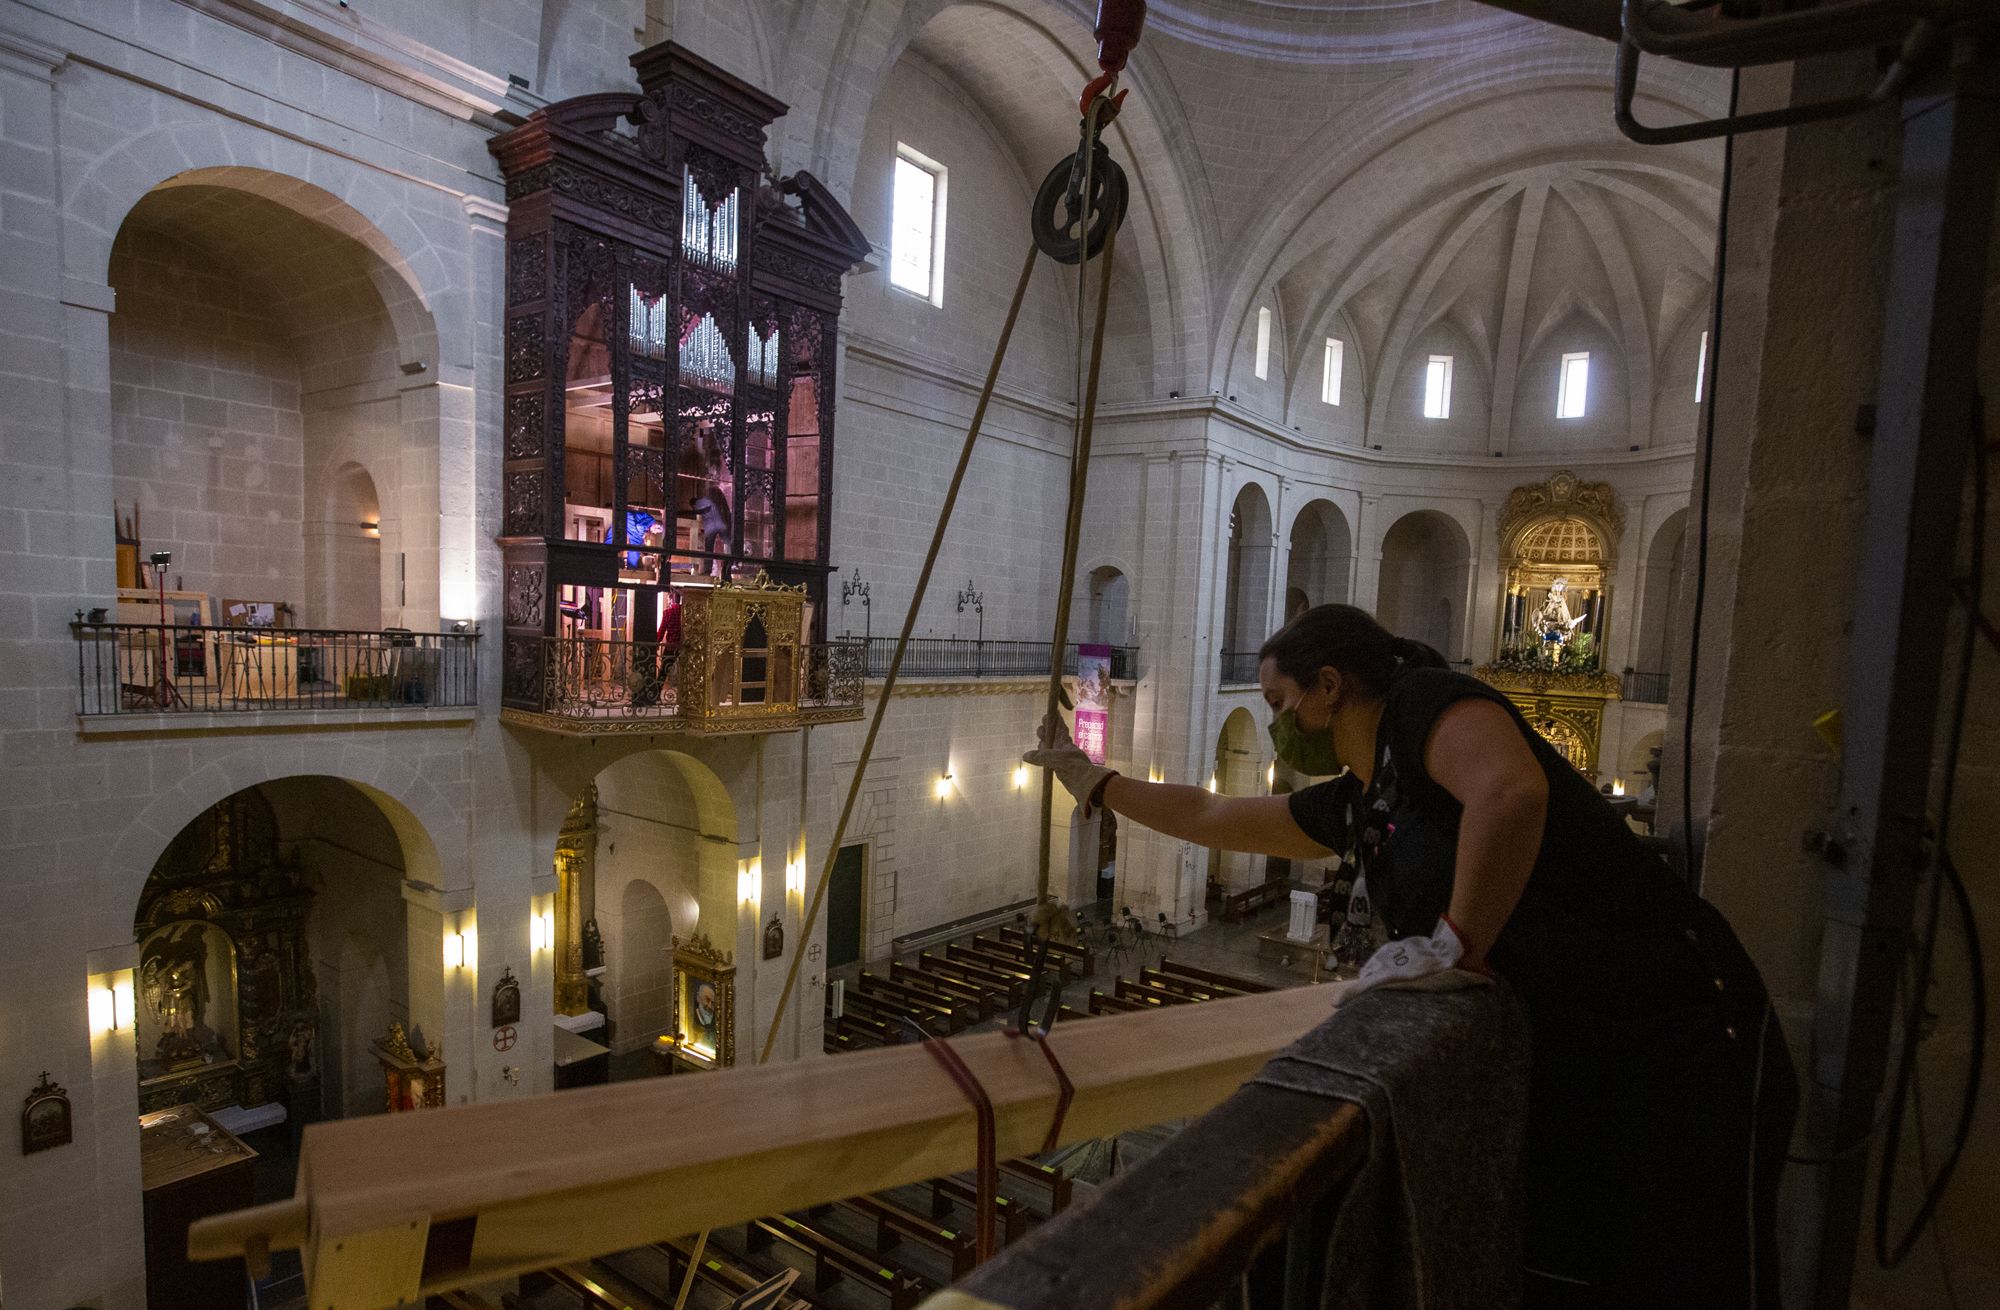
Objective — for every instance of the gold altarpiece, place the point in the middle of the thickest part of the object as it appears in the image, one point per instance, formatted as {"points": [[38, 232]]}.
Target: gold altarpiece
{"points": [[1557, 547], [576, 866], [228, 1011]]}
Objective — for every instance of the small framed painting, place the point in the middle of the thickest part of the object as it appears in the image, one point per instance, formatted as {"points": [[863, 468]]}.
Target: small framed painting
{"points": [[45, 1118]]}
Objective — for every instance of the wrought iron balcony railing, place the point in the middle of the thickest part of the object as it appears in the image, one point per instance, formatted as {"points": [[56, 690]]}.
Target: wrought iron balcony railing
{"points": [[959, 657], [145, 668], [1646, 688], [593, 684], [1239, 668]]}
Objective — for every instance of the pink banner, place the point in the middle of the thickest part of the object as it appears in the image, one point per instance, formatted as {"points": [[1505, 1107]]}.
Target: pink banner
{"points": [[1093, 701]]}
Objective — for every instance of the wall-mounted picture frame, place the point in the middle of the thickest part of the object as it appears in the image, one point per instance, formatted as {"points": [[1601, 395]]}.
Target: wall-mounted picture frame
{"points": [[774, 938], [704, 1003], [506, 999], [45, 1117]]}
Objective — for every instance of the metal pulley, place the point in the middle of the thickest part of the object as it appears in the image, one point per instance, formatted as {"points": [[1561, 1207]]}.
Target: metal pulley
{"points": [[1067, 227]]}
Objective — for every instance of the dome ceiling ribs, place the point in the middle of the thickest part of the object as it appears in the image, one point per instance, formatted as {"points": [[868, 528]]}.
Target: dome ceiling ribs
{"points": [[1507, 355], [1408, 314], [1635, 336]]}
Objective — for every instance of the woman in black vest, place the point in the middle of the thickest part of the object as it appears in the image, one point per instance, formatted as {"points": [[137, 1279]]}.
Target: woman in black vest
{"points": [[1662, 1096]]}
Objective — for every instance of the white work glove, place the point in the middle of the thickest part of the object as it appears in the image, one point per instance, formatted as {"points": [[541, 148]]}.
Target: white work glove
{"points": [[1073, 769], [1423, 963]]}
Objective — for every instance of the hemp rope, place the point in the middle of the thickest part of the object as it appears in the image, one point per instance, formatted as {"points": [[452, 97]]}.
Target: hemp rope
{"points": [[1079, 473]]}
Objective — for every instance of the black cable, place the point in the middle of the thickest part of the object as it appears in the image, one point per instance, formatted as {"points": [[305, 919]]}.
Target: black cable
{"points": [[1690, 872], [1888, 1254]]}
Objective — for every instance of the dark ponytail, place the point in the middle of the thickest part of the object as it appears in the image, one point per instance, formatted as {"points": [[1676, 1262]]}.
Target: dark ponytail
{"points": [[1350, 640]]}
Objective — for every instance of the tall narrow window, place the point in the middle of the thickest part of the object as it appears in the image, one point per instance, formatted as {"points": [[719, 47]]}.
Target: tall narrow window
{"points": [[1437, 387], [1700, 367], [1329, 380], [1263, 343], [1573, 385], [916, 242]]}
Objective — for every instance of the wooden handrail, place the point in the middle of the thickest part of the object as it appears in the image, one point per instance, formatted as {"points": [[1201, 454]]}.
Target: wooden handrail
{"points": [[397, 1207]]}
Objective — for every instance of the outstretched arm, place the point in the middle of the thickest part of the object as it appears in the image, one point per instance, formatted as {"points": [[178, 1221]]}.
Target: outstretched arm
{"points": [[1260, 825]]}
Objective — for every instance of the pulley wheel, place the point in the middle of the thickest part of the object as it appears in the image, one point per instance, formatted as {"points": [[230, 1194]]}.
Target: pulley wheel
{"points": [[1063, 224]]}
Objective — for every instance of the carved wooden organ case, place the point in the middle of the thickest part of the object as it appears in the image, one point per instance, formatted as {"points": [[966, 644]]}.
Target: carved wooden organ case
{"points": [[670, 338]]}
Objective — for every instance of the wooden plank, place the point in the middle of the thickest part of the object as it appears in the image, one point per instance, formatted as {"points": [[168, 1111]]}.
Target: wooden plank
{"points": [[1001, 964], [537, 1181], [1051, 1179], [1102, 1004]]}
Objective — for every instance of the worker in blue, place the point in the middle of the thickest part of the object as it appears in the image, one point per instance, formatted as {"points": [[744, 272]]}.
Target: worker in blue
{"points": [[1661, 1095]]}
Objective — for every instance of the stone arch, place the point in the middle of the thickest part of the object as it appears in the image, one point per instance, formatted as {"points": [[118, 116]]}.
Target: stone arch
{"points": [[1249, 543], [1661, 575], [1239, 769], [1108, 606], [1166, 230], [316, 336], [1320, 556], [385, 772], [1426, 566], [338, 193]]}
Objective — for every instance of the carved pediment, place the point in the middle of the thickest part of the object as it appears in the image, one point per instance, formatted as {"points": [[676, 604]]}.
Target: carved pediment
{"points": [[1563, 494]]}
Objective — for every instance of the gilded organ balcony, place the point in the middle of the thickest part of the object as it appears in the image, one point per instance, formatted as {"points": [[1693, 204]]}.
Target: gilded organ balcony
{"points": [[725, 659]]}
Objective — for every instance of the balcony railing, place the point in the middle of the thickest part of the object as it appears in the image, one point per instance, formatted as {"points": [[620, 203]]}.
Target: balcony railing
{"points": [[959, 657], [1239, 668], [143, 668], [1646, 688], [588, 681]]}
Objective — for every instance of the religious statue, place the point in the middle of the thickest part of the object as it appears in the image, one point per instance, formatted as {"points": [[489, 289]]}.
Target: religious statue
{"points": [[1554, 621], [174, 984]]}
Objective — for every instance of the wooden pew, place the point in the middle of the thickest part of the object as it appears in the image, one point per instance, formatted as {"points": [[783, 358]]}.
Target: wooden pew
{"points": [[988, 1001], [1187, 987], [714, 1270], [833, 1043], [881, 1009], [1251, 899], [1138, 991], [1012, 1217], [975, 975], [602, 1289], [871, 1032], [1081, 954], [1047, 1177], [956, 1016], [1230, 981], [1102, 1004], [1002, 964], [834, 1260], [1068, 968], [893, 1223], [459, 1299]]}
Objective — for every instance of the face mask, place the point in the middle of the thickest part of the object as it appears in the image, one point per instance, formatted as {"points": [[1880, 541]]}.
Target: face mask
{"points": [[1309, 752]]}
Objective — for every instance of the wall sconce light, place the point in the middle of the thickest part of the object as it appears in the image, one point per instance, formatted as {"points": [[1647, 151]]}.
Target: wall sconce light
{"points": [[111, 1002], [542, 931], [1271, 774], [454, 950], [747, 881], [1020, 776], [944, 787], [795, 876], [372, 530], [459, 625], [1211, 782]]}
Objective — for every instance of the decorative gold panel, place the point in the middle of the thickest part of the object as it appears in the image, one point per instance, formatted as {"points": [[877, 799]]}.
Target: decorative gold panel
{"points": [[704, 1004]]}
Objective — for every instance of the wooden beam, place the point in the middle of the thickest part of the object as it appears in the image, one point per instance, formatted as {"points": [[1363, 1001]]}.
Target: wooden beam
{"points": [[449, 1198]]}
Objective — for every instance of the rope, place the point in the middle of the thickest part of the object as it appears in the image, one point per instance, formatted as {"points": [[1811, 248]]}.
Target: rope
{"points": [[1079, 479], [988, 1187], [902, 646]]}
